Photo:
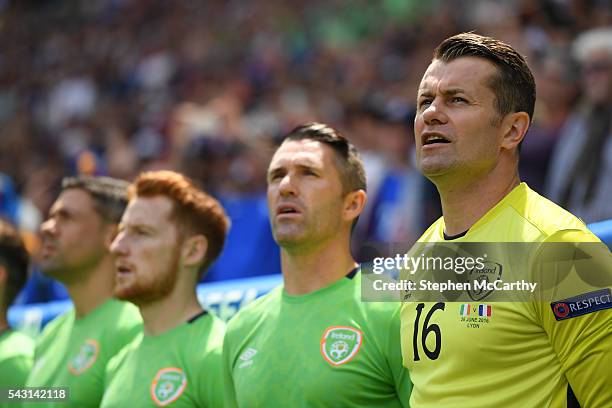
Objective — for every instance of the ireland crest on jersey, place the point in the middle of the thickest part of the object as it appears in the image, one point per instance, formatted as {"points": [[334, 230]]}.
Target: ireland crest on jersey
{"points": [[491, 272], [340, 344], [168, 384], [87, 355]]}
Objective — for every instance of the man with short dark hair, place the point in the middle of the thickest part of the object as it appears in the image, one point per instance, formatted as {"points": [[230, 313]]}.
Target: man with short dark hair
{"points": [[74, 348], [16, 349], [170, 233], [312, 341], [474, 106]]}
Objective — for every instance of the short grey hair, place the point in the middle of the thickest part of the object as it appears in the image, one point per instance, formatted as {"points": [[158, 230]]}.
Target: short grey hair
{"points": [[590, 41]]}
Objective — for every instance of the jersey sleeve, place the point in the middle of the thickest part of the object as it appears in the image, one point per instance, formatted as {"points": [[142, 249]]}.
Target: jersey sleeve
{"points": [[401, 377], [578, 318]]}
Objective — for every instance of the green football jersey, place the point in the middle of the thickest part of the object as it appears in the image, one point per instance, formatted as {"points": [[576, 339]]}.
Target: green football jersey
{"points": [[16, 357], [74, 352], [179, 368], [512, 354], [323, 349]]}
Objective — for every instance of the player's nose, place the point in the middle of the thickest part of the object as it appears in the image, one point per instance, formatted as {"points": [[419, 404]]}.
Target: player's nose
{"points": [[287, 186], [434, 113]]}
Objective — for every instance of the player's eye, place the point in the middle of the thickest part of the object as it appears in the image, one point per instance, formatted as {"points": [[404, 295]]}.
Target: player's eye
{"points": [[424, 103], [274, 177], [61, 215], [140, 232]]}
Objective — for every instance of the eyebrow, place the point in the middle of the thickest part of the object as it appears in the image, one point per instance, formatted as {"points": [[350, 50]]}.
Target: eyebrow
{"points": [[453, 91], [64, 212], [136, 226], [445, 92], [302, 166], [308, 166], [275, 170]]}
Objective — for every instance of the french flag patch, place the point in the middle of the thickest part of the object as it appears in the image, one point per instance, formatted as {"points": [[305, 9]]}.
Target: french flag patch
{"points": [[484, 310]]}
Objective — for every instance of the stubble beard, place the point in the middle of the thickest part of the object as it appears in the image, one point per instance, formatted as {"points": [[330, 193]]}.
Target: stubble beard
{"points": [[62, 271], [144, 292], [290, 235]]}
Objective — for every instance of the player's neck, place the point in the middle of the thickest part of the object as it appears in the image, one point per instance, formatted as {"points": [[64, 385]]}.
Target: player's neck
{"points": [[463, 205], [173, 310], [94, 289], [306, 272]]}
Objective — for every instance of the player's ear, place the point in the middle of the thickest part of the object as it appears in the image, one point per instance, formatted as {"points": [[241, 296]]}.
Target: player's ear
{"points": [[515, 127], [194, 250], [354, 203]]}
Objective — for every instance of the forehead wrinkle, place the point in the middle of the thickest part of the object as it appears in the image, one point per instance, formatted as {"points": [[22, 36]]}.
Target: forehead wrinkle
{"points": [[300, 159], [438, 71]]}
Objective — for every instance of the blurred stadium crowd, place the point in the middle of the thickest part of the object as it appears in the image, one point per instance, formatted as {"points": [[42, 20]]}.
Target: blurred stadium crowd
{"points": [[113, 87]]}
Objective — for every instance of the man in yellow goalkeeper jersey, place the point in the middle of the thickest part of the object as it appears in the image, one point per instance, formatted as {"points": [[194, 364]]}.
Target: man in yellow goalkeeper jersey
{"points": [[475, 104]]}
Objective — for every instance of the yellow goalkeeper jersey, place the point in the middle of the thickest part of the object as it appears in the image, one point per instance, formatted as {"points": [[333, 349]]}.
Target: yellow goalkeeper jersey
{"points": [[513, 354]]}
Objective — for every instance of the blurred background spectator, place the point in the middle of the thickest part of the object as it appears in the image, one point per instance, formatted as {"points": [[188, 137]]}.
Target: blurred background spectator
{"points": [[580, 176], [118, 86]]}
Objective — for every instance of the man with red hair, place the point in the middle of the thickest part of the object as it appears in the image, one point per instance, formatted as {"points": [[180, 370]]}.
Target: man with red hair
{"points": [[169, 234]]}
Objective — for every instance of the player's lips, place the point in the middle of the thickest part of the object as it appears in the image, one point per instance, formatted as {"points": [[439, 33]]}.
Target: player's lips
{"points": [[123, 269], [48, 249], [287, 210], [431, 139]]}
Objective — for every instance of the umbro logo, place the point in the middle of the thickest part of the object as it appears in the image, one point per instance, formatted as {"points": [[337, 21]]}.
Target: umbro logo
{"points": [[247, 357]]}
